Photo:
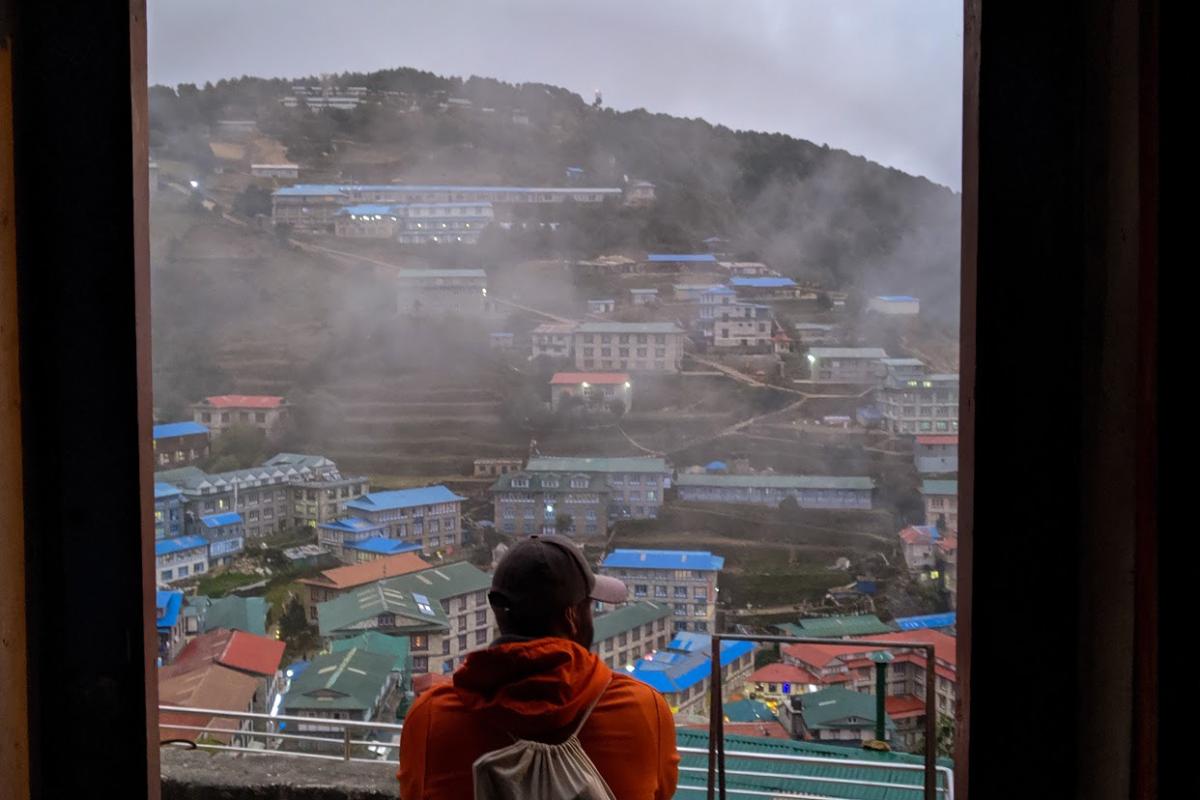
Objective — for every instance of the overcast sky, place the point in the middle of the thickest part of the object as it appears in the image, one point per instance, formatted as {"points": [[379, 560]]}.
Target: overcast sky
{"points": [[880, 78]]}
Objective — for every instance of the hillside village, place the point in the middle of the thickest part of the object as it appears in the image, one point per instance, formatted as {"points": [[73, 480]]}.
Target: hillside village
{"points": [[402, 321]]}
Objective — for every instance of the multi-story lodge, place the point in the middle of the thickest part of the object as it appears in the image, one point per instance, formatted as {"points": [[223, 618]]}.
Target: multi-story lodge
{"points": [[625, 634], [636, 484], [314, 207], [845, 364], [180, 444], [629, 346], [430, 517], [553, 340], [941, 499], [810, 491], [267, 496], [443, 610], [682, 671], [443, 291], [687, 579], [936, 454], [415, 223], [267, 413], [532, 502], [335, 582], [910, 401]]}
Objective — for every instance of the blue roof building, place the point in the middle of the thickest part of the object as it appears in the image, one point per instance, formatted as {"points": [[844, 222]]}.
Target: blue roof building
{"points": [[179, 444], [225, 533], [681, 258], [379, 546], [682, 671], [170, 430], [179, 558], [686, 580], [168, 510], [930, 621], [168, 618], [429, 518], [762, 283]]}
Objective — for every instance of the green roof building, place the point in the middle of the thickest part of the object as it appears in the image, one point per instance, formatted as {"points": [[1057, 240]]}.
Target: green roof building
{"points": [[833, 715], [353, 684], [838, 627], [625, 634], [810, 491]]}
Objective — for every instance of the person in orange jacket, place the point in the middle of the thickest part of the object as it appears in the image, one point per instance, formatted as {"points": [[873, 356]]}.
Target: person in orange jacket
{"points": [[535, 682]]}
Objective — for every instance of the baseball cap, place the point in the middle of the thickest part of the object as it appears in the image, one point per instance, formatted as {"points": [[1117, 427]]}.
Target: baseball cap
{"points": [[548, 571]]}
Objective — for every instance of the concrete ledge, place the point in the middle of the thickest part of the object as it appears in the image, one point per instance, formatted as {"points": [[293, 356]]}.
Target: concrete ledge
{"points": [[207, 775]]}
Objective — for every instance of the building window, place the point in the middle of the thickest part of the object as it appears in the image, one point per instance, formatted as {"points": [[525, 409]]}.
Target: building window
{"points": [[481, 636]]}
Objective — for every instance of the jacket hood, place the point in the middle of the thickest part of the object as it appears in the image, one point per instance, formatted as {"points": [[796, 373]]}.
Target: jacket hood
{"points": [[531, 688]]}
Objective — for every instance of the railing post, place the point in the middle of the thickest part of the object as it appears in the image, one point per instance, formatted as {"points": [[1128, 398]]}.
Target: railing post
{"points": [[930, 723], [346, 743]]}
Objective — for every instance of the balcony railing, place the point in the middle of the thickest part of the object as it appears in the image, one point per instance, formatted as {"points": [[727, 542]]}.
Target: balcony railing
{"points": [[788, 775]]}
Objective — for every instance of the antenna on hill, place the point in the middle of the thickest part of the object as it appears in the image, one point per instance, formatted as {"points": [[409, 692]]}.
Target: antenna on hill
{"points": [[598, 100]]}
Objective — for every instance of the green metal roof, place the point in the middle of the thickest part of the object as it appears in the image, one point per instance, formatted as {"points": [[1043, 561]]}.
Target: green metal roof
{"points": [[569, 464], [596, 482], [846, 625], [748, 711], [360, 609], [394, 647], [939, 487], [339, 681], [792, 777], [247, 614], [836, 708], [774, 481], [626, 618]]}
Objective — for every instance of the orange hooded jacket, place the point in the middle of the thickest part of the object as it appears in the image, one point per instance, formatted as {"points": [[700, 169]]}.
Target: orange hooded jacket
{"points": [[538, 689]]}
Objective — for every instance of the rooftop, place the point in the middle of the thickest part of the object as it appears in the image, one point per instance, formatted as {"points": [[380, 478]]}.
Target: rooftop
{"points": [[234, 649], [349, 680], [309, 189], [747, 711], [939, 487], [772, 481], [946, 620], [629, 327], [162, 490], [838, 708], [937, 439], [838, 626], [441, 273], [782, 673], [209, 686], [170, 429], [403, 498], [414, 599], [762, 283], [663, 559], [598, 464], [165, 547], [242, 401], [368, 571], [848, 352], [220, 520], [553, 482], [627, 617], [166, 608], [574, 378], [351, 525], [896, 298], [395, 647], [681, 257], [247, 614], [384, 545], [685, 662]]}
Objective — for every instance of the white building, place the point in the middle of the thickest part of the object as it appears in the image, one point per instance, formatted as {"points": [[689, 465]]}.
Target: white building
{"points": [[601, 306], [275, 170], [894, 305], [441, 291], [810, 491], [552, 339], [639, 346], [845, 364]]}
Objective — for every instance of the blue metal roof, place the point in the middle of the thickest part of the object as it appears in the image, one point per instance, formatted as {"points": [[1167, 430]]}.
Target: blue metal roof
{"points": [[366, 209], [686, 257], [306, 189], [219, 520], [350, 525], [947, 620], [403, 498], [664, 559], [162, 490], [167, 606], [719, 290], [897, 298], [716, 465], [763, 283], [685, 662], [380, 544], [164, 547], [169, 429]]}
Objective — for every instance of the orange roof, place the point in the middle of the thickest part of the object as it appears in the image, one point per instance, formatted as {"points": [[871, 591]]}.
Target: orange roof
{"points": [[914, 535], [937, 440], [243, 401], [574, 378], [368, 571], [234, 649], [782, 673], [210, 686], [945, 647], [949, 544], [219, 728], [899, 706], [818, 655]]}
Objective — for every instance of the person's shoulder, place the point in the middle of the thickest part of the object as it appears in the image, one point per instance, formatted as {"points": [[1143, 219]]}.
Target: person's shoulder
{"points": [[630, 687], [439, 697]]}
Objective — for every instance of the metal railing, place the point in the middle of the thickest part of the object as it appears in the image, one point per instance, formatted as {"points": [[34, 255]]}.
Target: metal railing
{"points": [[349, 736], [716, 784]]}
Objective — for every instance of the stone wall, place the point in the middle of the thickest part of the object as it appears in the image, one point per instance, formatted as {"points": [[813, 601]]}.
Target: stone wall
{"points": [[208, 775]]}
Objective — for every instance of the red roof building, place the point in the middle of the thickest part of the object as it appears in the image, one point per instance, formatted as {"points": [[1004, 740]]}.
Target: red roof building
{"points": [[243, 401], [264, 412], [245, 652], [580, 378]]}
